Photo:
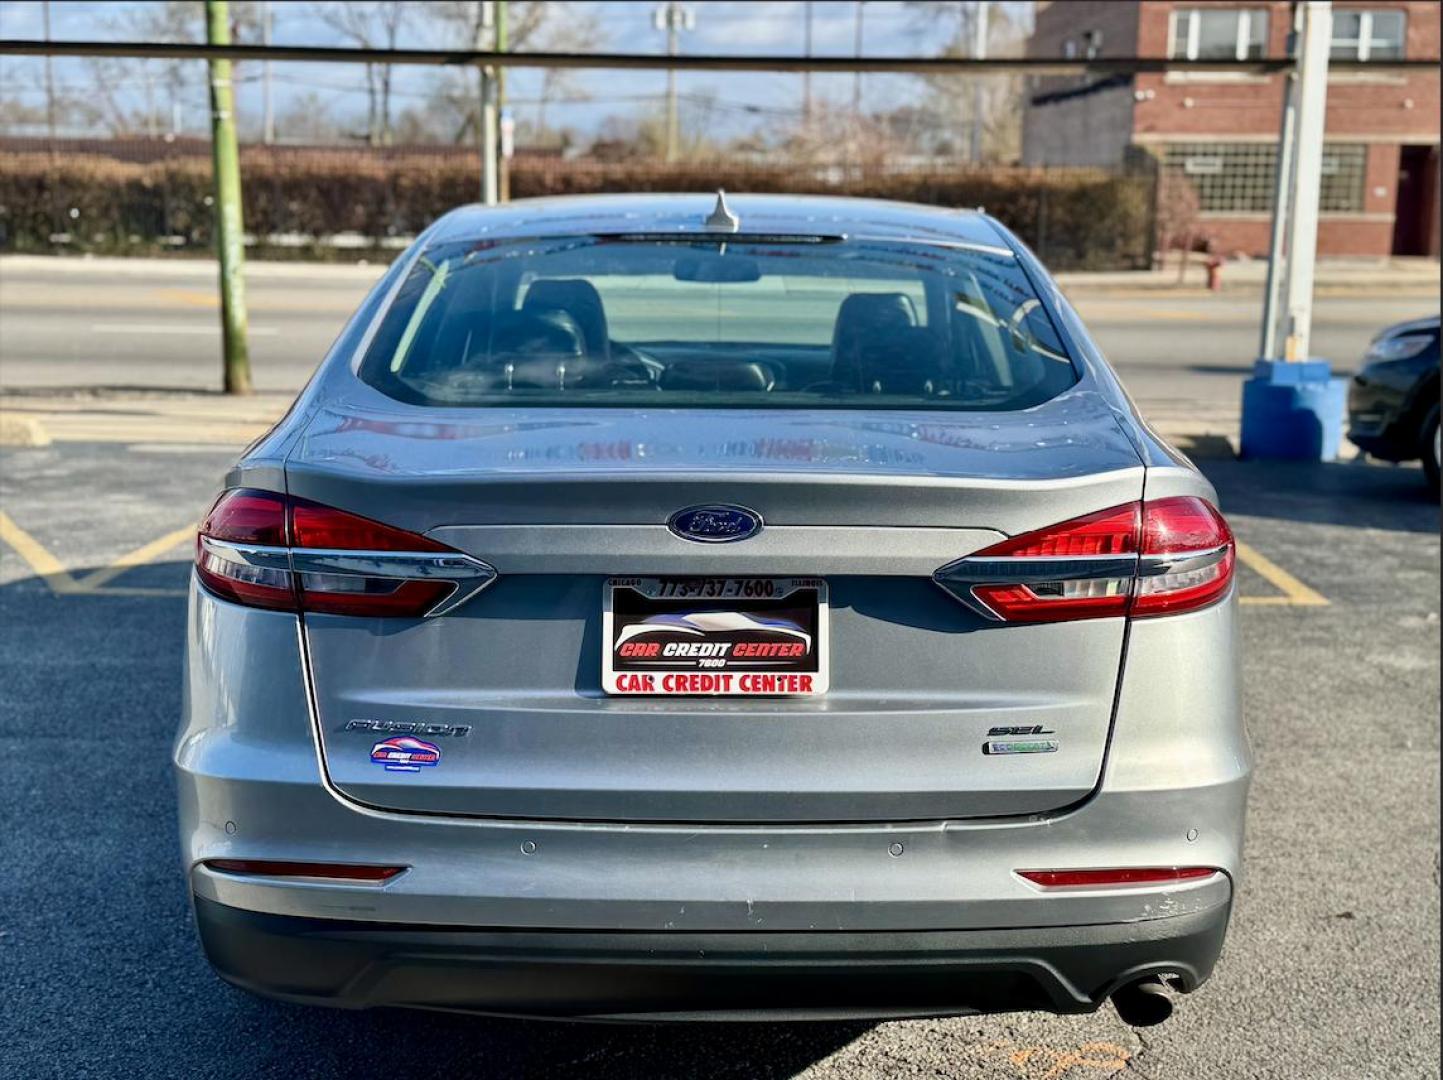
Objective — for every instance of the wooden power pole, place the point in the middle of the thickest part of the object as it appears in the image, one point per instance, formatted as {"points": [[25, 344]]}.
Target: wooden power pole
{"points": [[229, 227]]}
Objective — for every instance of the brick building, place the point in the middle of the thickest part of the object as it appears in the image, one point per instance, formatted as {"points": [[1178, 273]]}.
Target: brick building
{"points": [[1380, 189]]}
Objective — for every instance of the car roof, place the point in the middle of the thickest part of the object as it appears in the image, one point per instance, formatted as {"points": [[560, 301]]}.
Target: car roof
{"points": [[806, 215], [1428, 322]]}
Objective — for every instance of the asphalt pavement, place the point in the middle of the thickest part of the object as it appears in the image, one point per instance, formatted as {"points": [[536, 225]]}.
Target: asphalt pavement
{"points": [[1330, 970]]}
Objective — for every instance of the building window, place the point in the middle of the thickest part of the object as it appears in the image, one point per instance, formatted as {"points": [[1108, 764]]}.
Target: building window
{"points": [[1219, 34], [1368, 35], [1237, 178]]}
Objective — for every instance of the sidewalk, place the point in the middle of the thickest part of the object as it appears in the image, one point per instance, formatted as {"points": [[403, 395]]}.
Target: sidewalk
{"points": [[137, 417], [1355, 277]]}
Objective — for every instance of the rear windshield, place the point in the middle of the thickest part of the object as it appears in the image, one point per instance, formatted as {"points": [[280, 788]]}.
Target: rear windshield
{"points": [[728, 321]]}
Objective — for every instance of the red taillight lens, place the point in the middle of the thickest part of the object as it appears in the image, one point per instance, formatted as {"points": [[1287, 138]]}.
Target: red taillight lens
{"points": [[1181, 527], [1100, 879], [259, 537], [245, 519], [317, 526], [1107, 532], [1142, 559], [335, 594], [248, 517], [329, 871]]}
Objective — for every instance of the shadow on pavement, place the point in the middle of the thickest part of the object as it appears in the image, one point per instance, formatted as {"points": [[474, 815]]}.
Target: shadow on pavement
{"points": [[1355, 494], [400, 1044]]}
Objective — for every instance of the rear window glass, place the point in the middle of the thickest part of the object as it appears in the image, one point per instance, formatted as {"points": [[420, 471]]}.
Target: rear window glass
{"points": [[725, 321]]}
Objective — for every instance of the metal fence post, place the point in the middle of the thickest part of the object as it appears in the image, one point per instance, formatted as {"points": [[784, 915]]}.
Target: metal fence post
{"points": [[229, 228]]}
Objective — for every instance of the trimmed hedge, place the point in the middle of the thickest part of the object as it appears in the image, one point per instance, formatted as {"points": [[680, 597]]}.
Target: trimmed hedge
{"points": [[1075, 219]]}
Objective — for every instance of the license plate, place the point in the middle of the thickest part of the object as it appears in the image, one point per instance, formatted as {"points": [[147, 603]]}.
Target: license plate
{"points": [[737, 637]]}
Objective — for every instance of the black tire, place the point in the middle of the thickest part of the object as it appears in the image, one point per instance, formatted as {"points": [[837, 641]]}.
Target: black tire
{"points": [[1428, 447]]}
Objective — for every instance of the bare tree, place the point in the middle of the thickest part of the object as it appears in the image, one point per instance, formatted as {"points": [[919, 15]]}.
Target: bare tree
{"points": [[531, 24], [308, 118], [181, 82], [950, 108], [375, 25], [1177, 216]]}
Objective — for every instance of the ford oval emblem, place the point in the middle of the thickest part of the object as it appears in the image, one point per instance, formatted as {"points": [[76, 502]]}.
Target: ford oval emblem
{"points": [[715, 524]]}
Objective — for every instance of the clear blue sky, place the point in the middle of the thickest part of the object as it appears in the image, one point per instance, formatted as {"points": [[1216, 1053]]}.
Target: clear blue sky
{"points": [[721, 27]]}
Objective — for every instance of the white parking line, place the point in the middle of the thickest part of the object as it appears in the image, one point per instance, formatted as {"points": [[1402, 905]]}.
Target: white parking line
{"points": [[171, 328]]}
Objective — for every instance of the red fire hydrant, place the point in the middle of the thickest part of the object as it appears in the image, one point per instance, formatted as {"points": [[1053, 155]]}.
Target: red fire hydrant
{"points": [[1215, 270]]}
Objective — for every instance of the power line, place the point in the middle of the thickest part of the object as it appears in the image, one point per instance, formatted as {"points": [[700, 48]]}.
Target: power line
{"points": [[919, 65]]}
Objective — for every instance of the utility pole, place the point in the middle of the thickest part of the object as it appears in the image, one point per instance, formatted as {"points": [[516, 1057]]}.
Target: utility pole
{"points": [[857, 76], [1282, 186], [229, 228], [980, 11], [807, 75], [1314, 42], [506, 124], [486, 120], [151, 129], [49, 81], [268, 121], [1293, 407], [672, 17]]}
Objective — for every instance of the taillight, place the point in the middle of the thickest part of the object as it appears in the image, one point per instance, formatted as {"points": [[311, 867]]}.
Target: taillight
{"points": [[267, 550], [1187, 557], [1102, 879], [240, 552], [1139, 559]]}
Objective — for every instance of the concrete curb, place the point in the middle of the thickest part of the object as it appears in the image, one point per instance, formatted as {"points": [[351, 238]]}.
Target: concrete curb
{"points": [[186, 267], [20, 430], [1382, 276]]}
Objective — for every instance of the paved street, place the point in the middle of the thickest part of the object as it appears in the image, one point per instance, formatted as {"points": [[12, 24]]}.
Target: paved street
{"points": [[1330, 970]]}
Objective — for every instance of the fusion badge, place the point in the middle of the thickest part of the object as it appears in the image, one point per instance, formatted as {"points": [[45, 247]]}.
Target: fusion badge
{"points": [[405, 754]]}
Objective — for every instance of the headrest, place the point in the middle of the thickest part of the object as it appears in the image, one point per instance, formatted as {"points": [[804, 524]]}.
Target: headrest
{"points": [[579, 299], [538, 333]]}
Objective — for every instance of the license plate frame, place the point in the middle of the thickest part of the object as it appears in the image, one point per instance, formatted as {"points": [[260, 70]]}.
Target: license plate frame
{"points": [[800, 620]]}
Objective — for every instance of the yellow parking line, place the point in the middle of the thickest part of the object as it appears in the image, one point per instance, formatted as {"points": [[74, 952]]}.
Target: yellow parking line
{"points": [[46, 565], [1295, 593], [62, 583], [130, 590], [141, 555]]}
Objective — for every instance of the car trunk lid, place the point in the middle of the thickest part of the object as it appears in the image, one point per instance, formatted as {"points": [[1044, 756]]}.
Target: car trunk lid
{"points": [[509, 687]]}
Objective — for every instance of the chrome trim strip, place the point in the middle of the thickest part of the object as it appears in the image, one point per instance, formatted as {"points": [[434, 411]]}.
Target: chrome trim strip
{"points": [[1181, 561], [467, 574], [959, 578], [1025, 569], [268, 558]]}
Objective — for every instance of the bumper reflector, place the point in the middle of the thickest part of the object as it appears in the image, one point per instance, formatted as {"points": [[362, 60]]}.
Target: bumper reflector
{"points": [[330, 871], [1099, 879]]}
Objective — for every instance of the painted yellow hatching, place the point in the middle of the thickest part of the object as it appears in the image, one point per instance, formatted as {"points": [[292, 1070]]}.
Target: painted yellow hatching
{"points": [[1294, 592], [63, 583]]}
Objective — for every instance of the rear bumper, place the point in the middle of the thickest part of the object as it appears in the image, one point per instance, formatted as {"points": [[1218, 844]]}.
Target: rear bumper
{"points": [[660, 976], [1383, 417]]}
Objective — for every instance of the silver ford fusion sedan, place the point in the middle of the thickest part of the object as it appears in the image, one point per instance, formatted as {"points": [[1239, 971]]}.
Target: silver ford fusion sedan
{"points": [[681, 606]]}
